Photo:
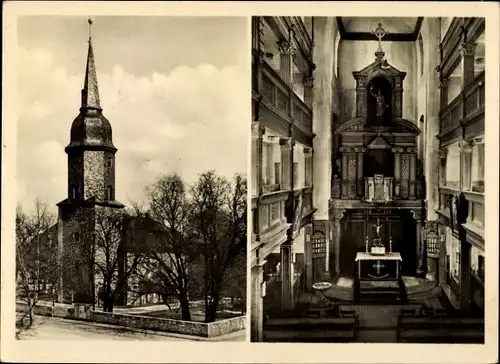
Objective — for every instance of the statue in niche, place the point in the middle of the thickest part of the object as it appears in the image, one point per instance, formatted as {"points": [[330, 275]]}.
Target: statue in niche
{"points": [[381, 105]]}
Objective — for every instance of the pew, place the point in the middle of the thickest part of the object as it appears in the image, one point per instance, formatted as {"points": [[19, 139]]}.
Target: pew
{"points": [[310, 329], [439, 328]]}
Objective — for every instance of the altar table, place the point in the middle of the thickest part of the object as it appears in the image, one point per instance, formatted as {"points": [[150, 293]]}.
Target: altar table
{"points": [[377, 267]]}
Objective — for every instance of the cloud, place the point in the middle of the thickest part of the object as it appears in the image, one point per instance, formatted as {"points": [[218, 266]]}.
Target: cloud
{"points": [[186, 121]]}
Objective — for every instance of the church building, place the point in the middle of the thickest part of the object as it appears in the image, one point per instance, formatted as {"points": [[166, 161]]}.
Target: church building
{"points": [[91, 187], [367, 179]]}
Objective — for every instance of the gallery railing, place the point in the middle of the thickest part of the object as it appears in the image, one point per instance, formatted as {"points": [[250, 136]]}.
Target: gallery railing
{"points": [[469, 102], [272, 211], [281, 99]]}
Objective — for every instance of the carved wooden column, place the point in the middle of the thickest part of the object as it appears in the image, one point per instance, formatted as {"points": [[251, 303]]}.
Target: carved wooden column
{"points": [[345, 172], [286, 162], [397, 171], [308, 257], [417, 215], [360, 97], [352, 171], [405, 176], [465, 273], [258, 36], [412, 152], [308, 166], [286, 275], [286, 50], [337, 216], [443, 87], [466, 165], [467, 51], [257, 133], [360, 178], [442, 257], [442, 173], [308, 90], [257, 312], [398, 96]]}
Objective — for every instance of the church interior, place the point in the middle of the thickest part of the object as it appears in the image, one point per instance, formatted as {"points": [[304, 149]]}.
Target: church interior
{"points": [[367, 179]]}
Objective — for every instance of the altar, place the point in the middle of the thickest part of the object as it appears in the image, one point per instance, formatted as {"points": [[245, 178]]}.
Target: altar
{"points": [[375, 267]]}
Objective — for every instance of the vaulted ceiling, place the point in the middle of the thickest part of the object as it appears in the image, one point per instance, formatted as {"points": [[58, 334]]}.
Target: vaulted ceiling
{"points": [[361, 28]]}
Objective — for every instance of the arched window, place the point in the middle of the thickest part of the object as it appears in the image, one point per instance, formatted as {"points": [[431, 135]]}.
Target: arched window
{"points": [[421, 54]]}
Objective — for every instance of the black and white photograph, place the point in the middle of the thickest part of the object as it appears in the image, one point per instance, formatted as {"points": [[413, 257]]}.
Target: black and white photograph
{"points": [[368, 179], [131, 218], [250, 182]]}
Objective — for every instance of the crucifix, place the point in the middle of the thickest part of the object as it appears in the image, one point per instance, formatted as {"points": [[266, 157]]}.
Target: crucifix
{"points": [[377, 227], [380, 33], [378, 266]]}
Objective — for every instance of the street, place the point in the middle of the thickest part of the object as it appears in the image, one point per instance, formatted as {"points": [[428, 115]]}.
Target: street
{"points": [[56, 328]]}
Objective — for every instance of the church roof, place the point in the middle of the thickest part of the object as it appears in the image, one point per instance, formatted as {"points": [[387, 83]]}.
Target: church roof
{"points": [[90, 129], [90, 92]]}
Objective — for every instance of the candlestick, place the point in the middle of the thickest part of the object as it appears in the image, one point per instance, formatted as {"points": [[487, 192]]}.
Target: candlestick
{"points": [[367, 243], [390, 244]]}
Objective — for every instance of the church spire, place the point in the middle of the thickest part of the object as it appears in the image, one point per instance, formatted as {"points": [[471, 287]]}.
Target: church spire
{"points": [[90, 91]]}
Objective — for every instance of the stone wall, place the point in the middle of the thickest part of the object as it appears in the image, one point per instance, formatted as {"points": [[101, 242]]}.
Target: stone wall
{"points": [[38, 309], [47, 309], [224, 327], [94, 174], [200, 329]]}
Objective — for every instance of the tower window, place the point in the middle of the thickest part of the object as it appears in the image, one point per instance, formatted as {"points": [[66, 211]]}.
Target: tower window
{"points": [[73, 192], [109, 192]]}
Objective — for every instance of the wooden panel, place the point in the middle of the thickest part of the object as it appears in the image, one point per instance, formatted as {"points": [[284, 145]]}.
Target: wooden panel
{"points": [[352, 241]]}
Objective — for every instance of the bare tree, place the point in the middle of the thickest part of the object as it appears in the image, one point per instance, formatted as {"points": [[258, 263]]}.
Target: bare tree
{"points": [[172, 249], [35, 256], [110, 248], [219, 212]]}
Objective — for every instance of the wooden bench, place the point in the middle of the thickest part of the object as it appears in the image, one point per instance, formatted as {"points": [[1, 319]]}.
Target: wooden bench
{"points": [[321, 312], [441, 336], [440, 329], [309, 329], [343, 336]]}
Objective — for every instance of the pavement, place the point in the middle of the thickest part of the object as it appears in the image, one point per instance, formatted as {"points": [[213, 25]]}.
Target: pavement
{"points": [[57, 328]]}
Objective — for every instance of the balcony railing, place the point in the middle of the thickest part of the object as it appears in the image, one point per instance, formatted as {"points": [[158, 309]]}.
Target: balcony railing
{"points": [[307, 197], [453, 113], [474, 95], [272, 211], [277, 95]]}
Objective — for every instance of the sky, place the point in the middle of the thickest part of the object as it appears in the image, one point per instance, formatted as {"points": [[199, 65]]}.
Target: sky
{"points": [[174, 90]]}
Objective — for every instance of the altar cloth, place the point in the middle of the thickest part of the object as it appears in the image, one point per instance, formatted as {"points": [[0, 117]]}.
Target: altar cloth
{"points": [[387, 256]]}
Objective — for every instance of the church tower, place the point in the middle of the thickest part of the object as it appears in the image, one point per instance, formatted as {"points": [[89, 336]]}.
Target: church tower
{"points": [[91, 153], [91, 186]]}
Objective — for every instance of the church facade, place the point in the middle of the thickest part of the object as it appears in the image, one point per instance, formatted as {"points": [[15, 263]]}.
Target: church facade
{"points": [[367, 169]]}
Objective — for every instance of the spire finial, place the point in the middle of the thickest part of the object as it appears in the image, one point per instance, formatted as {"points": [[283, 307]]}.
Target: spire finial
{"points": [[90, 27], [90, 91]]}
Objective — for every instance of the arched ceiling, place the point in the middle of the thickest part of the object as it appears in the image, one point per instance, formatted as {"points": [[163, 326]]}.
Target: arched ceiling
{"points": [[361, 28]]}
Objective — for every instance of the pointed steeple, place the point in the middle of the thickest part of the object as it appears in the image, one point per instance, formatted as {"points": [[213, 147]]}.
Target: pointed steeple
{"points": [[90, 91]]}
